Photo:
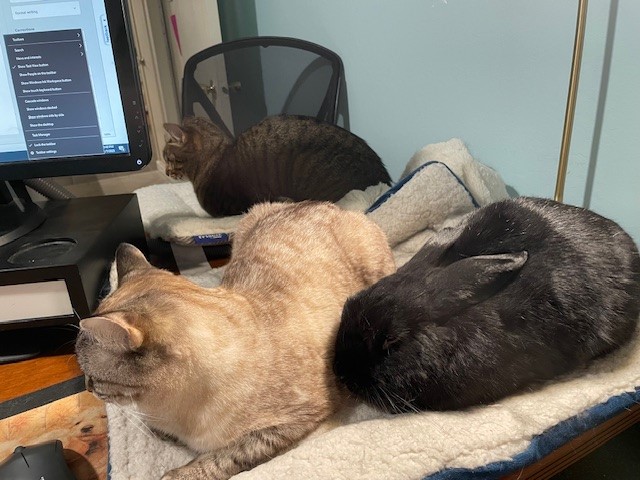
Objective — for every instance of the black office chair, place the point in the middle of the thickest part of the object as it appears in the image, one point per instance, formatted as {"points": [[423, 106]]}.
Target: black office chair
{"points": [[238, 83]]}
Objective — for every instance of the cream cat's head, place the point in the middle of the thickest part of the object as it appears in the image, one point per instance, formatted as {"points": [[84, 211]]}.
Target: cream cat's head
{"points": [[140, 337]]}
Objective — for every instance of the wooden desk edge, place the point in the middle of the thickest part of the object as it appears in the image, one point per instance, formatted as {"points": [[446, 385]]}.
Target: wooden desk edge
{"points": [[577, 448], [29, 376]]}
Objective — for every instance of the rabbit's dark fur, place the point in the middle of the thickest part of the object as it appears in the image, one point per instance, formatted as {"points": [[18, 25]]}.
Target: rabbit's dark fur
{"points": [[524, 290]]}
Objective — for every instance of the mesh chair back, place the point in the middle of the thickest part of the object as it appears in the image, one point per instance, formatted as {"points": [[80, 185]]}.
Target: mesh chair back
{"points": [[238, 83]]}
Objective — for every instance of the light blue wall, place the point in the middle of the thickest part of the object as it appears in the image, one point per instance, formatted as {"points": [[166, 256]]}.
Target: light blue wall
{"points": [[495, 74]]}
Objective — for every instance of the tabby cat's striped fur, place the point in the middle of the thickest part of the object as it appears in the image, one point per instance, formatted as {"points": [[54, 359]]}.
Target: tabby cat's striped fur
{"points": [[240, 372], [283, 157]]}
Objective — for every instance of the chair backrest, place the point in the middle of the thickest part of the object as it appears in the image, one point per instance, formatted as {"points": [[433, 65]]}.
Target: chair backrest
{"points": [[238, 83]]}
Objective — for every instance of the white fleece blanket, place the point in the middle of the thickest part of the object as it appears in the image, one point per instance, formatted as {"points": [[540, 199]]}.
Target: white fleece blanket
{"points": [[442, 183]]}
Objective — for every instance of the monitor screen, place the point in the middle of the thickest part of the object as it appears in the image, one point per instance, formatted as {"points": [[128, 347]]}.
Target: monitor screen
{"points": [[69, 92]]}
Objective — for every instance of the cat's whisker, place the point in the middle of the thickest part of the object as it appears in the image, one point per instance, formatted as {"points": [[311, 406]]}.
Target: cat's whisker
{"points": [[376, 401], [141, 415], [135, 421], [391, 403], [405, 402], [65, 344]]}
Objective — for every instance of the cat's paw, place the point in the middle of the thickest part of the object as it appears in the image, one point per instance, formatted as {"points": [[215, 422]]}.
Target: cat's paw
{"points": [[182, 473], [193, 471], [174, 171]]}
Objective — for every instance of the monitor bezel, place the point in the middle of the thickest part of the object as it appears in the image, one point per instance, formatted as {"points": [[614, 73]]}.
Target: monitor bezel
{"points": [[139, 154]]}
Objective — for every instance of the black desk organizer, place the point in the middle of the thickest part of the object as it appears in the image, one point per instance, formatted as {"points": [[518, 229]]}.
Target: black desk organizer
{"points": [[76, 244]]}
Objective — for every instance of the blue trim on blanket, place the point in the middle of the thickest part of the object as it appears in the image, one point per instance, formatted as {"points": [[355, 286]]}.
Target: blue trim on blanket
{"points": [[393, 190], [545, 443]]}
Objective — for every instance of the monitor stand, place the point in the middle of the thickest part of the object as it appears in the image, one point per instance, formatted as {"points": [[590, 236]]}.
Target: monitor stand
{"points": [[55, 274], [18, 214]]}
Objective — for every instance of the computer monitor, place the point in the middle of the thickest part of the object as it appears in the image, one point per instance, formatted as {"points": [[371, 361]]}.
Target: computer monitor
{"points": [[70, 104], [70, 98]]}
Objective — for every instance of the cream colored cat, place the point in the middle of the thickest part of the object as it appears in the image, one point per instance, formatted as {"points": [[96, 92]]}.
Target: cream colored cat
{"points": [[240, 372]]}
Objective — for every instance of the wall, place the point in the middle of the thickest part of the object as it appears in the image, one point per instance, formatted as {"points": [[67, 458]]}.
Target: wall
{"points": [[493, 73], [197, 26]]}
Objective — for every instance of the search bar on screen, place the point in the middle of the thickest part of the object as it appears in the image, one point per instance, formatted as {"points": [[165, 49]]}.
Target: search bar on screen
{"points": [[43, 10]]}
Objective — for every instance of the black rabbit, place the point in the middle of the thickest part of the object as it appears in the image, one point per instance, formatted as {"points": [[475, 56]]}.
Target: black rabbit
{"points": [[524, 290]]}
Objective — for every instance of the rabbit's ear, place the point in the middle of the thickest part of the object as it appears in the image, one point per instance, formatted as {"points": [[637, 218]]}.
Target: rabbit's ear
{"points": [[472, 280]]}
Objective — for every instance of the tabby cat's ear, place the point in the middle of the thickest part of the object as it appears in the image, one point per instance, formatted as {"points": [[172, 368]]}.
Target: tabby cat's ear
{"points": [[175, 131], [113, 332], [129, 259]]}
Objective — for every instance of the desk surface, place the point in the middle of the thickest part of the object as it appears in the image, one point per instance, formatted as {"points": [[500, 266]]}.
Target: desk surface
{"points": [[47, 392], [29, 376]]}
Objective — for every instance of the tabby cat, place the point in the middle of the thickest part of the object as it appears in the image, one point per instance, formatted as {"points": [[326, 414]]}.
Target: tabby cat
{"points": [[242, 371], [283, 157]]}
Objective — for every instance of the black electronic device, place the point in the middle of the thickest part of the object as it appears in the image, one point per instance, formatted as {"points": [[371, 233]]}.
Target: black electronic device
{"points": [[71, 104], [37, 462]]}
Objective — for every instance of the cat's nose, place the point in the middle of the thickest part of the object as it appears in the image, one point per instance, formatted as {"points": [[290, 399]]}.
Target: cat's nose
{"points": [[88, 383]]}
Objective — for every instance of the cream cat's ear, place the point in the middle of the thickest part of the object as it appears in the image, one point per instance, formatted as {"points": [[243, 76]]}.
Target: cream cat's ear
{"points": [[113, 331], [175, 131], [129, 259]]}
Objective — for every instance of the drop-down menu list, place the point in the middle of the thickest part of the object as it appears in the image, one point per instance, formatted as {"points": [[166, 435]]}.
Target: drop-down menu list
{"points": [[53, 90]]}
